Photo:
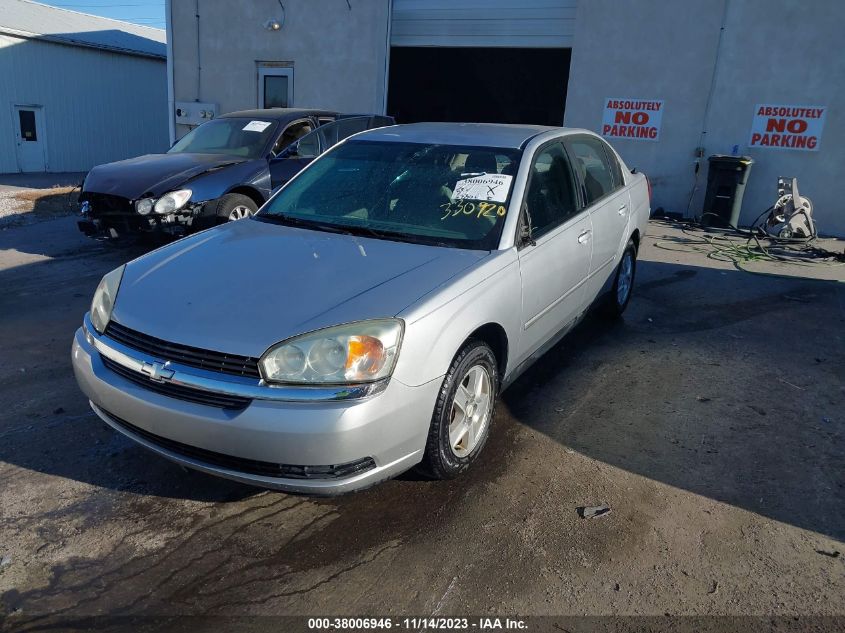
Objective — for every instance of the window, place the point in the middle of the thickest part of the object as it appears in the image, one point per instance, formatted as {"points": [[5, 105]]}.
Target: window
{"points": [[402, 191], [275, 92], [333, 133], [550, 198], [234, 136], [592, 163], [27, 120], [309, 145], [275, 86], [293, 132], [615, 168]]}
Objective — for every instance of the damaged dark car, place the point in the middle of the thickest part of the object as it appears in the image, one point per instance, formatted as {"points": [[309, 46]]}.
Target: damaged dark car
{"points": [[221, 171]]}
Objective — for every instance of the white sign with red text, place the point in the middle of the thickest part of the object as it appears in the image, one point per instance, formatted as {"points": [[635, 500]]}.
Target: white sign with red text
{"points": [[632, 118], [787, 127]]}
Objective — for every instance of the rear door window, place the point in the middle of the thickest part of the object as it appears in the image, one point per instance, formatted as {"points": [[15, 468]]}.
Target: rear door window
{"points": [[615, 167], [593, 166]]}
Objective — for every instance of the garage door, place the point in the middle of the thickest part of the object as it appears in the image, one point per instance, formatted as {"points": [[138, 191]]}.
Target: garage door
{"points": [[484, 23]]}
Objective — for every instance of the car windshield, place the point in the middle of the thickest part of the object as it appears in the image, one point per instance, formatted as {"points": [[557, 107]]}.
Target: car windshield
{"points": [[236, 136], [447, 195]]}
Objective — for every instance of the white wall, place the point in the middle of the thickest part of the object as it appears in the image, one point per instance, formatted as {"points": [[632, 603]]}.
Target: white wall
{"points": [[98, 106], [773, 51], [338, 54]]}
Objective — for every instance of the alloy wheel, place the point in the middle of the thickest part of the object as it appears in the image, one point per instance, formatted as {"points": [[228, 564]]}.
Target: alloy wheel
{"points": [[626, 275], [240, 212], [471, 409]]}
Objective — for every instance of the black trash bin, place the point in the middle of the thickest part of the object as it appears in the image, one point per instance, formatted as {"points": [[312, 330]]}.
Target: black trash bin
{"points": [[726, 180]]}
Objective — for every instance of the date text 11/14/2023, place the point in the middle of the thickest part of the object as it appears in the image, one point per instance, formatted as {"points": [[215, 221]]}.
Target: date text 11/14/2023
{"points": [[416, 623]]}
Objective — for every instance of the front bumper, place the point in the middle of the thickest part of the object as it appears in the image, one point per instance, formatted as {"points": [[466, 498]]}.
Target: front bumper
{"points": [[114, 225], [327, 444]]}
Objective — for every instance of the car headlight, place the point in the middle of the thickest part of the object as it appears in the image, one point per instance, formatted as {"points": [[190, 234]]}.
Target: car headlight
{"points": [[364, 351], [144, 206], [104, 296], [173, 201]]}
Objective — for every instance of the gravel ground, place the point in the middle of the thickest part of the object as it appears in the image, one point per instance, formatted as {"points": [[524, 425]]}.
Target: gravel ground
{"points": [[25, 206], [711, 420]]}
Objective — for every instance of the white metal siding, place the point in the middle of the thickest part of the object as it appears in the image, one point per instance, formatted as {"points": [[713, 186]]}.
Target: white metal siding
{"points": [[484, 23], [98, 106]]}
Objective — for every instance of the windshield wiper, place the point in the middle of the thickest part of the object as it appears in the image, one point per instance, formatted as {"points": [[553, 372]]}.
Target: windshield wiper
{"points": [[348, 229], [305, 224]]}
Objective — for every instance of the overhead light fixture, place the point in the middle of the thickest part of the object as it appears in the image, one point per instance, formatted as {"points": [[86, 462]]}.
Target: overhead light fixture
{"points": [[275, 24]]}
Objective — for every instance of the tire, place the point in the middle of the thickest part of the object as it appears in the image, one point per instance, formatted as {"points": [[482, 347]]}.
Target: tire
{"points": [[446, 458], [234, 206], [620, 293]]}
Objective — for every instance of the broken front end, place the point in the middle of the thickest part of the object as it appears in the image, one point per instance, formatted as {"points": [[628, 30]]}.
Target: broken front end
{"points": [[106, 216]]}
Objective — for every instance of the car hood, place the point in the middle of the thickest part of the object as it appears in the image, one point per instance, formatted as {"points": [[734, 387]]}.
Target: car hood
{"points": [[153, 174], [245, 285]]}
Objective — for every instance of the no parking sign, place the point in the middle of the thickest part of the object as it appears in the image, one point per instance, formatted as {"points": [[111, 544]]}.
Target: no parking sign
{"points": [[638, 119], [787, 126]]}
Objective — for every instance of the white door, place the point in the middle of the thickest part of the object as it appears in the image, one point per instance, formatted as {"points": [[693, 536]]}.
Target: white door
{"points": [[275, 87], [29, 138], [608, 200], [554, 269]]}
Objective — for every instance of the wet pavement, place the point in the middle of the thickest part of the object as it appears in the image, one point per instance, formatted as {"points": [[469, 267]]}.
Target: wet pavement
{"points": [[711, 420]]}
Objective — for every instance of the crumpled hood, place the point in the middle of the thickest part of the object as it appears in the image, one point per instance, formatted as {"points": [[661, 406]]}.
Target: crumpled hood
{"points": [[153, 173], [245, 285]]}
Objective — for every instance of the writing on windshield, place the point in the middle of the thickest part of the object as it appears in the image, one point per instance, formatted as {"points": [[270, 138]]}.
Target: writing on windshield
{"points": [[445, 194]]}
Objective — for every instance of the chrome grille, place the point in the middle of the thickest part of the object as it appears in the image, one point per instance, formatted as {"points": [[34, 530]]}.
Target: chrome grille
{"points": [[180, 392], [184, 354]]}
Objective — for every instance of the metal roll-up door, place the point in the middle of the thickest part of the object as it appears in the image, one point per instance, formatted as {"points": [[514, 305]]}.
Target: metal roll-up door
{"points": [[484, 23]]}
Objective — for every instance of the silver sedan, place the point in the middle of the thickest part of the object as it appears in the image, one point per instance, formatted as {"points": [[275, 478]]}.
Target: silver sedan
{"points": [[366, 320]]}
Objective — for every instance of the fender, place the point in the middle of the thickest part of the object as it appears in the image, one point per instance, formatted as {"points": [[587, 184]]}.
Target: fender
{"points": [[213, 184], [492, 294]]}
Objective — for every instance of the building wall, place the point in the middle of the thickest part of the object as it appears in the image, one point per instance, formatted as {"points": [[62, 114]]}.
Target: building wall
{"points": [[783, 52], [338, 54], [98, 106]]}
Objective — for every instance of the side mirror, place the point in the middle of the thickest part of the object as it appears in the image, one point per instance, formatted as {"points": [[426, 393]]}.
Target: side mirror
{"points": [[526, 229]]}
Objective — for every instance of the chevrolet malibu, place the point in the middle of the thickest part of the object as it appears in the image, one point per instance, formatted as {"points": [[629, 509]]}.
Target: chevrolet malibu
{"points": [[366, 320]]}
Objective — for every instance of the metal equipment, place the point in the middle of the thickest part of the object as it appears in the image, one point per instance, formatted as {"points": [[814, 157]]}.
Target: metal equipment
{"points": [[791, 217]]}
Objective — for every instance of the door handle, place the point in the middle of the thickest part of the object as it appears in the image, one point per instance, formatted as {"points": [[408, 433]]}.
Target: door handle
{"points": [[584, 237], [622, 209]]}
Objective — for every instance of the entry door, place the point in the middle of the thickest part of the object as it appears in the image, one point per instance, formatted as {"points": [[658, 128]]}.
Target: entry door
{"points": [[554, 269], [608, 201], [29, 137], [275, 87]]}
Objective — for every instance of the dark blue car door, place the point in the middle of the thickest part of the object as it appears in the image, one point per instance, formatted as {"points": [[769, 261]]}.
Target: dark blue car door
{"points": [[293, 159]]}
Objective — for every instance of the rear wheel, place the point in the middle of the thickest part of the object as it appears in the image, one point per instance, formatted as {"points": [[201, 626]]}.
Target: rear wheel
{"points": [[235, 206], [462, 415], [623, 283]]}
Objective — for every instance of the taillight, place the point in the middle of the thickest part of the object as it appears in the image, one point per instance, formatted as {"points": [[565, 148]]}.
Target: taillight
{"points": [[648, 182]]}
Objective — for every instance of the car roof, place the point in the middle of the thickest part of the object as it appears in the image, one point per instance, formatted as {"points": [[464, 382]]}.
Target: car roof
{"points": [[277, 114], [476, 134]]}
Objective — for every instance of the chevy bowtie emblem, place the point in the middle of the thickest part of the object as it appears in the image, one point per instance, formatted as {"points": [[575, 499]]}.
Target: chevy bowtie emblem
{"points": [[157, 371]]}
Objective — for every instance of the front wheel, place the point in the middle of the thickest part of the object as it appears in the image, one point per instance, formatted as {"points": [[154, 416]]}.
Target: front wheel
{"points": [[463, 413], [623, 283], [234, 206]]}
